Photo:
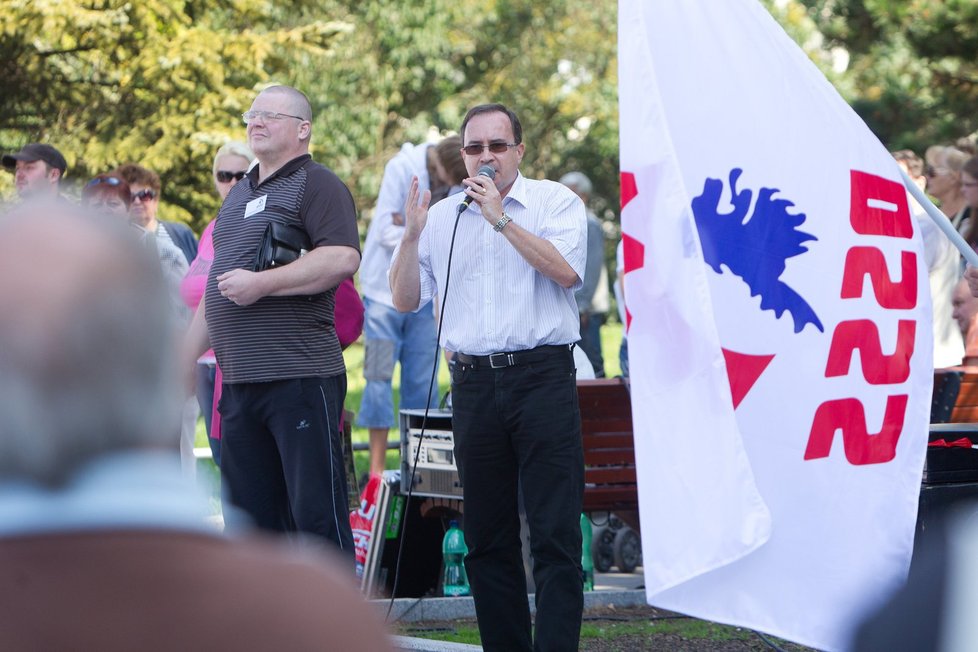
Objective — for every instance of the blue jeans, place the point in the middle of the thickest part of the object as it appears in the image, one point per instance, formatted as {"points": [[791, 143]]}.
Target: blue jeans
{"points": [[391, 337]]}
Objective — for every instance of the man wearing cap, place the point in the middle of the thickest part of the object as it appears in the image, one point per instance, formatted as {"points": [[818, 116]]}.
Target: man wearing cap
{"points": [[37, 169]]}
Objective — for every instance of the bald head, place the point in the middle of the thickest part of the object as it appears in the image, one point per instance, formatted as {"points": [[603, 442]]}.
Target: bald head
{"points": [[85, 343], [964, 306], [297, 102]]}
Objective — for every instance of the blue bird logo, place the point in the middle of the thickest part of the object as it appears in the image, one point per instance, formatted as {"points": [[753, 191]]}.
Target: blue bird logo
{"points": [[755, 249]]}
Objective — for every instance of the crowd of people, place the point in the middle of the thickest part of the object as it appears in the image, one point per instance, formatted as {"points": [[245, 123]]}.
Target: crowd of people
{"points": [[255, 301], [90, 344], [949, 174]]}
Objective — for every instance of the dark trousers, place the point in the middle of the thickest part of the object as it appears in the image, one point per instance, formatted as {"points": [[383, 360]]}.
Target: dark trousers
{"points": [[521, 426], [591, 341], [282, 456]]}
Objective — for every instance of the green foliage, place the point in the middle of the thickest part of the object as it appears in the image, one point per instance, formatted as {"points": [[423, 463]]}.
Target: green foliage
{"points": [[163, 83], [913, 73]]}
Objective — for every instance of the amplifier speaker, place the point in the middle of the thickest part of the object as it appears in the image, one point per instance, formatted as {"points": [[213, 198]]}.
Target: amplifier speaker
{"points": [[435, 474]]}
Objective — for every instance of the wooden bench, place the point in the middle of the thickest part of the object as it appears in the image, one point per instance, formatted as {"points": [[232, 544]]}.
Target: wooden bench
{"points": [[610, 479], [955, 398]]}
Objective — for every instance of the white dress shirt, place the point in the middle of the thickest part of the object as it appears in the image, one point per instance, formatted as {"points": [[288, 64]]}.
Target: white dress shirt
{"points": [[383, 235], [496, 301]]}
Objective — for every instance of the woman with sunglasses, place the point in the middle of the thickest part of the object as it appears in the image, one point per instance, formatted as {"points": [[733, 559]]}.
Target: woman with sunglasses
{"points": [[231, 163], [943, 172]]}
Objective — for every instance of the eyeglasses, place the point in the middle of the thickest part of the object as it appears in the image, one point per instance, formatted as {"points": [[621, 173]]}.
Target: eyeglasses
{"points": [[495, 148], [251, 116], [109, 181], [224, 176], [144, 195], [931, 171]]}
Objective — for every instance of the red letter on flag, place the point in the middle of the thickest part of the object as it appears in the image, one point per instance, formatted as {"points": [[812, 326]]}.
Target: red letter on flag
{"points": [[878, 369], [869, 260], [878, 206], [861, 446]]}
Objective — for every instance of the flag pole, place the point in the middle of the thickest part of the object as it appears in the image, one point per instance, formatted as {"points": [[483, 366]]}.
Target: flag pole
{"points": [[940, 219]]}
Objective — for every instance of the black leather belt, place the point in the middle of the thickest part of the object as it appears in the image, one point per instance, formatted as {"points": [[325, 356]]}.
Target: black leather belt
{"points": [[514, 358]]}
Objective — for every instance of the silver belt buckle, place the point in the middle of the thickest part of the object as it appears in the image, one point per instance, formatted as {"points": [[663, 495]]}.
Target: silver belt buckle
{"points": [[506, 357]]}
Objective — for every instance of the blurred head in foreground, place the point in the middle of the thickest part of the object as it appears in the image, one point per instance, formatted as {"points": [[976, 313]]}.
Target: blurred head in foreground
{"points": [[85, 343]]}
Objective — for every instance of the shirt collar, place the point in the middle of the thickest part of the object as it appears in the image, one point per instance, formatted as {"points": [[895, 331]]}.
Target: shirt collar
{"points": [[285, 170], [518, 192]]}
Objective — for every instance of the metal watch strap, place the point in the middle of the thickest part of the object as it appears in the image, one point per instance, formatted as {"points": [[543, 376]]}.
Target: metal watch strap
{"points": [[503, 221]]}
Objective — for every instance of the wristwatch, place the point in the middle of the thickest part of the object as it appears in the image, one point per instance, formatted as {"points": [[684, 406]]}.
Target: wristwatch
{"points": [[503, 221]]}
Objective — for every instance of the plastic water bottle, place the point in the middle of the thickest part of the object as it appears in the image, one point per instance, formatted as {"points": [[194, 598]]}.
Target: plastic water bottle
{"points": [[453, 549], [587, 563]]}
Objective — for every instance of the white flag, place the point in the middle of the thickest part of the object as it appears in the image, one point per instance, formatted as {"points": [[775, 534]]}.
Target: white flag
{"points": [[779, 336]]}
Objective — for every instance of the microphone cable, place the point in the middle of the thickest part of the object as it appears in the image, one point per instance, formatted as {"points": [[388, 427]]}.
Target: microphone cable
{"points": [[424, 418]]}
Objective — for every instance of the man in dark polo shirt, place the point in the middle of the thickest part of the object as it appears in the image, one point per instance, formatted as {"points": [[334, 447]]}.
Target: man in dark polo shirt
{"points": [[272, 331]]}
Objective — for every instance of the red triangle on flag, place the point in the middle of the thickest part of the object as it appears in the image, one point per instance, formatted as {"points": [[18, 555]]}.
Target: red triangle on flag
{"points": [[628, 188], [743, 370]]}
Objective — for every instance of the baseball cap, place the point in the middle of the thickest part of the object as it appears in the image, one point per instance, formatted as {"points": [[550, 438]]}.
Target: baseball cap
{"points": [[36, 152]]}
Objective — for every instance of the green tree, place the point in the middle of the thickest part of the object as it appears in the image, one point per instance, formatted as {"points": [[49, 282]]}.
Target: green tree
{"points": [[161, 83], [913, 73]]}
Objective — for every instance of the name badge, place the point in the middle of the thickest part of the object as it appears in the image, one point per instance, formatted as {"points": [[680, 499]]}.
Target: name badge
{"points": [[255, 206]]}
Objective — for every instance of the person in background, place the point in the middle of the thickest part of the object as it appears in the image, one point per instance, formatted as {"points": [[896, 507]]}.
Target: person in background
{"points": [[943, 173], [284, 380], [107, 193], [104, 545], [965, 313], [112, 195], [451, 167], [969, 190], [391, 336], [943, 266], [145, 185], [592, 298], [619, 289], [231, 163], [511, 318], [38, 169], [176, 246]]}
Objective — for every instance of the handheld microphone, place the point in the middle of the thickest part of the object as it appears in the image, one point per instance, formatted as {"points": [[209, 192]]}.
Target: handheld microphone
{"points": [[484, 171]]}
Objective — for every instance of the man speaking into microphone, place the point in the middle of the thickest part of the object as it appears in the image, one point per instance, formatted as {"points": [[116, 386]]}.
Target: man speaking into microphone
{"points": [[511, 318]]}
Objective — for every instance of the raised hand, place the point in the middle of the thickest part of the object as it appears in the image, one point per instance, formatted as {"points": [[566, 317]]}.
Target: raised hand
{"points": [[415, 211]]}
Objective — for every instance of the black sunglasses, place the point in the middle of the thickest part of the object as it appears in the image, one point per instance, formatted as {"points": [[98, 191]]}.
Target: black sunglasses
{"points": [[144, 195], [109, 181], [224, 176], [495, 148]]}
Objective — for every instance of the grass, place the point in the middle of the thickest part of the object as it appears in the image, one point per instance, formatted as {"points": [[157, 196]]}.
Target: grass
{"points": [[644, 628]]}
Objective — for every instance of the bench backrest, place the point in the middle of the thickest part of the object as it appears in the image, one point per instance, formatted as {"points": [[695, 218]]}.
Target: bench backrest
{"points": [[966, 405], [610, 481]]}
